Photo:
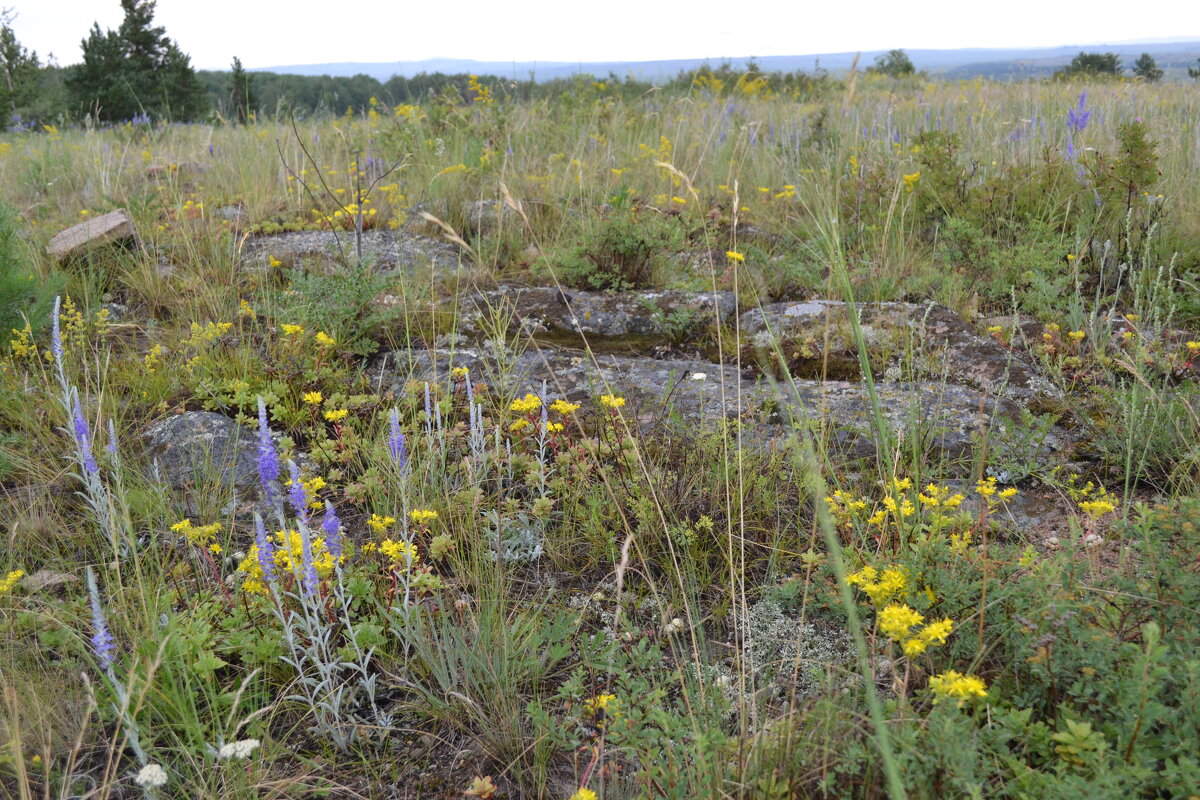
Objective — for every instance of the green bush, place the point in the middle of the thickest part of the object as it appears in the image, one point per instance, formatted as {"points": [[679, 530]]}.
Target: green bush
{"points": [[626, 250]]}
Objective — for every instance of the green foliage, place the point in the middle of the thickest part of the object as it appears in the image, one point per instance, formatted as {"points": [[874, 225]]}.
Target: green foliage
{"points": [[343, 303], [135, 71], [1147, 69], [894, 64], [1091, 65], [19, 70], [24, 295], [626, 249], [241, 95]]}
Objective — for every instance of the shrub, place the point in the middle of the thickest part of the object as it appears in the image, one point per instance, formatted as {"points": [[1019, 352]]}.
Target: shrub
{"points": [[625, 251]]}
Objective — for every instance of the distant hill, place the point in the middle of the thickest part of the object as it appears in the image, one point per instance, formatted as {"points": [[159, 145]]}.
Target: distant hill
{"points": [[1014, 63]]}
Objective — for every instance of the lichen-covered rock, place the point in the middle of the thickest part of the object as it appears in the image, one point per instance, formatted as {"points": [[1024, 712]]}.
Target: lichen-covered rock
{"points": [[946, 418], [633, 320], [387, 250], [816, 335], [201, 447]]}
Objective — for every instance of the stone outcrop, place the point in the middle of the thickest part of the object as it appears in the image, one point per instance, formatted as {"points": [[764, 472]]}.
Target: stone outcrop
{"points": [[115, 227], [386, 250], [629, 320], [929, 343]]}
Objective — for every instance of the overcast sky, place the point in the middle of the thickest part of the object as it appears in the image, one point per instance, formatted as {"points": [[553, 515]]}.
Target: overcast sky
{"points": [[267, 33]]}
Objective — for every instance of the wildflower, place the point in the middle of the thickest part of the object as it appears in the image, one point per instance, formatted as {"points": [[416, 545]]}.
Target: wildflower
{"points": [[897, 620], [1194, 347], [151, 360], [459, 372], [264, 551], [245, 310], [56, 342], [880, 587], [734, 255], [196, 535], [1076, 336], [151, 776], [297, 493], [313, 398], [422, 516], [1077, 118], [291, 330], [563, 407], [395, 441], [584, 793], [612, 401], [336, 414], [954, 685], [699, 376], [482, 787], [555, 427], [995, 330], [238, 750], [324, 339], [83, 439], [331, 526], [519, 425], [102, 640], [910, 181], [602, 702], [401, 553], [527, 404], [268, 461], [380, 524], [11, 580]]}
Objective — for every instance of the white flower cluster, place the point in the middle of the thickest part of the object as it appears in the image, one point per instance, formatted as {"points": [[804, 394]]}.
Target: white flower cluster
{"points": [[151, 776], [239, 749]]}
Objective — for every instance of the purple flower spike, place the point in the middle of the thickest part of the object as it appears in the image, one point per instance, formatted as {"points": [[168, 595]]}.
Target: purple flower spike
{"points": [[1077, 118], [56, 343], [331, 526], [297, 494], [83, 439], [266, 550], [268, 461], [397, 448], [102, 640]]}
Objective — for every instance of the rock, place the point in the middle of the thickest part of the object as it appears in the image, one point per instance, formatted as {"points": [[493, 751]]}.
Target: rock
{"points": [[628, 320], [117, 312], [1019, 327], [113, 227], [47, 580], [388, 250], [235, 215], [946, 418], [815, 336], [203, 448]]}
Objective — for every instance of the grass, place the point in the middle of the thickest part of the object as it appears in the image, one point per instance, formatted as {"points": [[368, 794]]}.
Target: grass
{"points": [[681, 611]]}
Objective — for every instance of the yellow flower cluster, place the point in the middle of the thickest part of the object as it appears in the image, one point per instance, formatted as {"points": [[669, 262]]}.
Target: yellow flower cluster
{"points": [[612, 401], [992, 495], [198, 535], [423, 516], [313, 398], [324, 339], [936, 496], [897, 621], [563, 407], [380, 524], [1095, 501], [527, 404], [336, 414], [735, 256], [291, 330], [845, 507], [289, 558], [402, 554], [911, 181], [953, 685], [11, 580], [880, 587]]}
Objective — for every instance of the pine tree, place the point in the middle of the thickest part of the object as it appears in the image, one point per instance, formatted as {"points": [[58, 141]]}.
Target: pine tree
{"points": [[19, 70], [241, 94], [135, 70], [1146, 69]]}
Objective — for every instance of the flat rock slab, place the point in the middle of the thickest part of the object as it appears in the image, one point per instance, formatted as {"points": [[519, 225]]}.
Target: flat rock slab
{"points": [[570, 316], [945, 417], [115, 226], [816, 335], [387, 250]]}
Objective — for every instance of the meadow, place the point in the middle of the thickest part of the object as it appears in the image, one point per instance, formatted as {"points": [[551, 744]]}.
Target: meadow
{"points": [[870, 469]]}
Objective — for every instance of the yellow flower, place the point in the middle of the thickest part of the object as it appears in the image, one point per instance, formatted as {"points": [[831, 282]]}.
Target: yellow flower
{"points": [[401, 553], [554, 427], [563, 407], [421, 516], [896, 620], [314, 398], [324, 339], [336, 415], [734, 255], [380, 524], [519, 425], [11, 580], [459, 372], [245, 310], [956, 686], [527, 404], [910, 181], [612, 400], [292, 330], [584, 793], [1076, 336], [1194, 347]]}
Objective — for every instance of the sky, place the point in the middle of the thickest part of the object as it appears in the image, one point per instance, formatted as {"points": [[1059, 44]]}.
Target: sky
{"points": [[266, 33]]}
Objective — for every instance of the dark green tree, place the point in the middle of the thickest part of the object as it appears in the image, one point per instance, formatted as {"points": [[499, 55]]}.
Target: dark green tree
{"points": [[893, 63], [19, 71], [1194, 72], [1146, 69], [1091, 65], [135, 70], [241, 94]]}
